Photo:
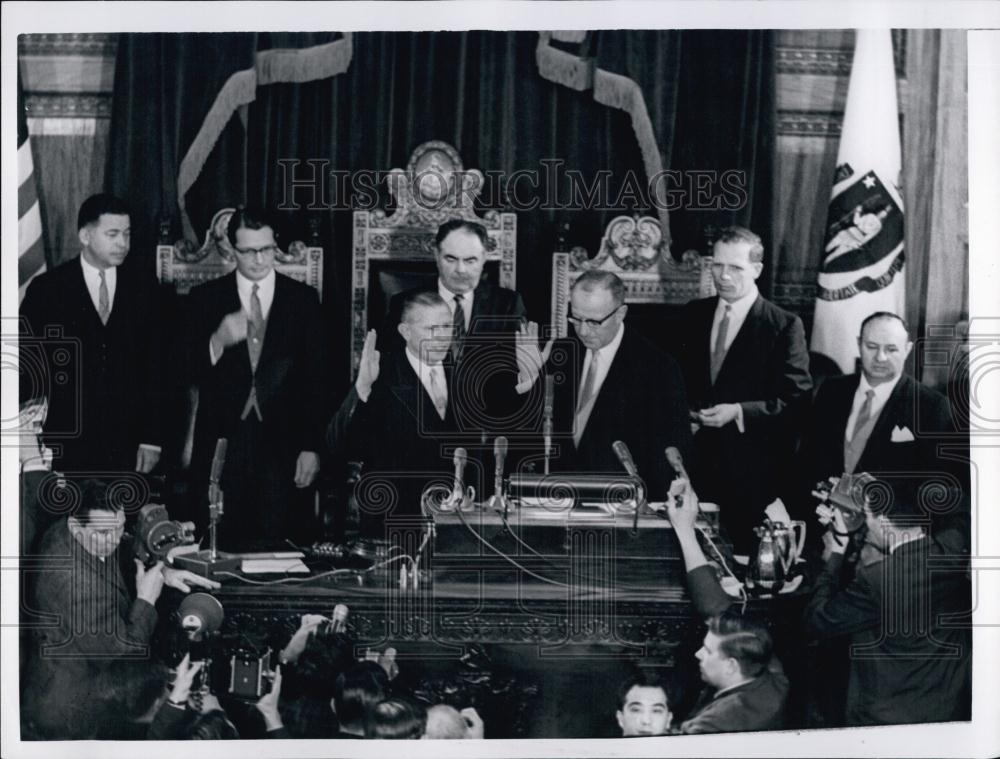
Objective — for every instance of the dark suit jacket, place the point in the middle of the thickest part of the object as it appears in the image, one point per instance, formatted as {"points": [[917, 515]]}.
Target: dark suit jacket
{"points": [[755, 705], [909, 664], [904, 465], [486, 375], [104, 382], [642, 402], [402, 442], [97, 619], [289, 377], [766, 371]]}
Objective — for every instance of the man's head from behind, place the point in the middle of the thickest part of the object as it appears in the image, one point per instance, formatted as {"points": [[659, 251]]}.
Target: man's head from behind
{"points": [[356, 693], [642, 706], [461, 252], [98, 523], [884, 344], [104, 229], [253, 234], [597, 307], [737, 261], [736, 648], [426, 325]]}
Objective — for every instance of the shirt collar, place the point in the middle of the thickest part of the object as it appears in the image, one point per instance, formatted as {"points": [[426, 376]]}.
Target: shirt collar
{"points": [[740, 307], [611, 349], [882, 391], [449, 297], [420, 367], [91, 272], [245, 286]]}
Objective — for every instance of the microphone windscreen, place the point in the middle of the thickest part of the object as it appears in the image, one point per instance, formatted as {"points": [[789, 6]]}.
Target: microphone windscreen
{"points": [[460, 457], [500, 446], [340, 613], [674, 459]]}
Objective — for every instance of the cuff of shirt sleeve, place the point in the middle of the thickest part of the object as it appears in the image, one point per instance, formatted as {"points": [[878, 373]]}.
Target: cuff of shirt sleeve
{"points": [[212, 355], [151, 447], [740, 425]]}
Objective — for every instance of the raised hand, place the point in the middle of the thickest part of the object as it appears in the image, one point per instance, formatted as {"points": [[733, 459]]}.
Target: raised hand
{"points": [[530, 359], [369, 368]]}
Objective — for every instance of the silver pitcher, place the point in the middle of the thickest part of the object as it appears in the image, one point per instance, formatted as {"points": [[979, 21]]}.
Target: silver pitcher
{"points": [[776, 552]]}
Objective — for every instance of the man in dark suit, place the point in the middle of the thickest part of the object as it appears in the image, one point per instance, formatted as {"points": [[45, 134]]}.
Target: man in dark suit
{"points": [[96, 327], [485, 319], [745, 685], [404, 420], [746, 368], [618, 386], [902, 606], [255, 354], [884, 422]]}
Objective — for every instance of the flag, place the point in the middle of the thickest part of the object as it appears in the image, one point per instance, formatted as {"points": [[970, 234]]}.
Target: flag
{"points": [[862, 269], [30, 248]]}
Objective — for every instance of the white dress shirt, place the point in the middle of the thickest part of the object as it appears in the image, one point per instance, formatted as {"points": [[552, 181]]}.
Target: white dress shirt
{"points": [[449, 297], [882, 393], [424, 373], [605, 356], [92, 278], [737, 315]]}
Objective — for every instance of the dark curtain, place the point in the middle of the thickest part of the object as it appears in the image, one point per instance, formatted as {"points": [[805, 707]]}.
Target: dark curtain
{"points": [[710, 96]]}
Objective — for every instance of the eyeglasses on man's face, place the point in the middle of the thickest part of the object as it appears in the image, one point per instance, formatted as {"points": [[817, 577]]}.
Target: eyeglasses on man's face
{"points": [[577, 322], [266, 251]]}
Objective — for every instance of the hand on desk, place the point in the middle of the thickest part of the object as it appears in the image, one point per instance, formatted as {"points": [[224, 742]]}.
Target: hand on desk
{"points": [[306, 469], [179, 579]]}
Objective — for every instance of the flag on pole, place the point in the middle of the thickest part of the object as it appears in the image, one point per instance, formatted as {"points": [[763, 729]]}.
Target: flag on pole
{"points": [[30, 248], [862, 267]]}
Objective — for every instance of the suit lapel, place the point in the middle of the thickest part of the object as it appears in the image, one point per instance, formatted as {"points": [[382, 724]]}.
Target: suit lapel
{"points": [[407, 388], [881, 433], [277, 322], [480, 306], [83, 294], [743, 342], [701, 338]]}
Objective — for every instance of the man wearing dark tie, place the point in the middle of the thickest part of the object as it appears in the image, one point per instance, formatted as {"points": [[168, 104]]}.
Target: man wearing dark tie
{"points": [[255, 354], [618, 386], [402, 426], [96, 327], [485, 318], [746, 368]]}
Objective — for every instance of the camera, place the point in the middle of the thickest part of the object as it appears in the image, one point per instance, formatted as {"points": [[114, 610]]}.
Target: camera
{"points": [[156, 534], [250, 675]]}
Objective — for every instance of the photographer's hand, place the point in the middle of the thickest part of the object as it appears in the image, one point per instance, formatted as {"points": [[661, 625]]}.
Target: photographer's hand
{"points": [[179, 579], [836, 536], [268, 703], [293, 650], [474, 727], [183, 680]]}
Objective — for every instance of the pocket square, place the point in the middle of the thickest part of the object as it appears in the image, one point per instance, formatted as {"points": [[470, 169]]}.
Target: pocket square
{"points": [[901, 435]]}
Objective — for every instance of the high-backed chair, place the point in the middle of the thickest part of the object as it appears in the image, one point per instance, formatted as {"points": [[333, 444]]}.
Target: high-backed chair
{"points": [[184, 266], [394, 251], [633, 248]]}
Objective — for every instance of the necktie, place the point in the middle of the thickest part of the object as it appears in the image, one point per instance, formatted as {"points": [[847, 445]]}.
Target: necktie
{"points": [[255, 327], [859, 436], [439, 392], [585, 402], [103, 302], [255, 341], [719, 351], [459, 335]]}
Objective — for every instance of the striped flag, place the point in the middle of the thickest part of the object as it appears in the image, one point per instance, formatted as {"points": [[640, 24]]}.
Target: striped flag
{"points": [[30, 248], [863, 265]]}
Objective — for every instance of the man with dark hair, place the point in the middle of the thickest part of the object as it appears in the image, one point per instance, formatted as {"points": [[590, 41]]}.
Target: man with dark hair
{"points": [[619, 387], [399, 430], [484, 318], [746, 688], [94, 335], [97, 618], [884, 422], [642, 706], [746, 368], [255, 346], [356, 693], [902, 606]]}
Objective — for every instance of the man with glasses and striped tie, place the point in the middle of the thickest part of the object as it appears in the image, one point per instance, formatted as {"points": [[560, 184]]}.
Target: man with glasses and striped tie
{"points": [[618, 386], [256, 354]]}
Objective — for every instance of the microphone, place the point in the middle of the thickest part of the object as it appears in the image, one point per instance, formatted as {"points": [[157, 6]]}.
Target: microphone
{"points": [[461, 457], [625, 457], [218, 463], [338, 622], [676, 461], [547, 416], [500, 454]]}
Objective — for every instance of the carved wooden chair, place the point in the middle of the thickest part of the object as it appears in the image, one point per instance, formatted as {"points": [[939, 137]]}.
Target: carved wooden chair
{"points": [[633, 248], [394, 251]]}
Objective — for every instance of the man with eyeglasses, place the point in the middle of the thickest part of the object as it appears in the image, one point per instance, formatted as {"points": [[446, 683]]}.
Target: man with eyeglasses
{"points": [[616, 385], [255, 353], [746, 367], [98, 613]]}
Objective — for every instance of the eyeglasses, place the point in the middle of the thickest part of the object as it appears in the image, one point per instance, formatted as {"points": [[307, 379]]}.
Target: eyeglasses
{"points": [[577, 322], [268, 250]]}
